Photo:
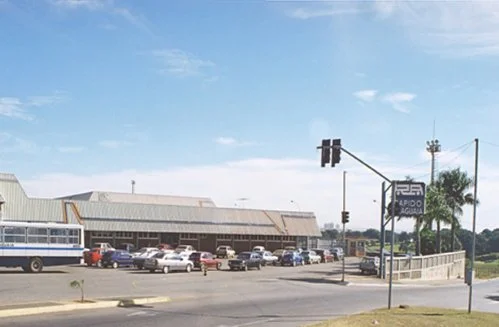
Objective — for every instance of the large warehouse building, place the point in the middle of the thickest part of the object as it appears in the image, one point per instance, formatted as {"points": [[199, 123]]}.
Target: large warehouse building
{"points": [[148, 220]]}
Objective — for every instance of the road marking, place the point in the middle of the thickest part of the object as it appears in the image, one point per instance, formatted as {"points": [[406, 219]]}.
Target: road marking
{"points": [[141, 313], [251, 323]]}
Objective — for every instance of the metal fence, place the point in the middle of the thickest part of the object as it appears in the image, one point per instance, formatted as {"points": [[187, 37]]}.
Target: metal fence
{"points": [[430, 267]]}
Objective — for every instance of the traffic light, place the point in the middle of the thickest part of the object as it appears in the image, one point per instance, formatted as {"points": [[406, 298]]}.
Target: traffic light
{"points": [[336, 152], [345, 216], [326, 152]]}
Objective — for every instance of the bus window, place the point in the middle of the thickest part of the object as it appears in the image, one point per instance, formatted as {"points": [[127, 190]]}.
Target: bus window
{"points": [[14, 234], [37, 235], [74, 236], [58, 236]]}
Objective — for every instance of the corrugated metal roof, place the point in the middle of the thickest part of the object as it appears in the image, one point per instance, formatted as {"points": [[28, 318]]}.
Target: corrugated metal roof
{"points": [[142, 199], [115, 216]]}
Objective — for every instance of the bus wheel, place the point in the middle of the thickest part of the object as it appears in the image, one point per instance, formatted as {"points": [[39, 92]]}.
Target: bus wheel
{"points": [[35, 265]]}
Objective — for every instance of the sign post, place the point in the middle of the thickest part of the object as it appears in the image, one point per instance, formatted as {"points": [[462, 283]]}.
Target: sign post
{"points": [[408, 199]]}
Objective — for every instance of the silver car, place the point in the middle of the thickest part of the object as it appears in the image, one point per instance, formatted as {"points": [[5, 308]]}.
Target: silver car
{"points": [[167, 262]]}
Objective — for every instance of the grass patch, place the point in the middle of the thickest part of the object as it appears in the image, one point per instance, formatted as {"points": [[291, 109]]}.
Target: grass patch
{"points": [[415, 316], [486, 270]]}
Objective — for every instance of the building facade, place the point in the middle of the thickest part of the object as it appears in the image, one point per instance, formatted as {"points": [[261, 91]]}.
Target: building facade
{"points": [[148, 220]]}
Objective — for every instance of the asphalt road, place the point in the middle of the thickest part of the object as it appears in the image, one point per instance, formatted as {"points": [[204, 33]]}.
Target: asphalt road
{"points": [[271, 301], [53, 284]]}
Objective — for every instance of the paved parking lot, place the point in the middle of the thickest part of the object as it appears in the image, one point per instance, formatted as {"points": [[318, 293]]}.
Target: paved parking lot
{"points": [[53, 283]]}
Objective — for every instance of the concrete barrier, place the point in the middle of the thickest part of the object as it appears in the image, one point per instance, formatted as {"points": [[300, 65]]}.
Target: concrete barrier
{"points": [[443, 266]]}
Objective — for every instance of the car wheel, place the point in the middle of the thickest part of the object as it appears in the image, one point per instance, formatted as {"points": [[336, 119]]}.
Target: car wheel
{"points": [[219, 266], [188, 268], [294, 263], [151, 270], [259, 266], [99, 264], [115, 265], [245, 268], [166, 270]]}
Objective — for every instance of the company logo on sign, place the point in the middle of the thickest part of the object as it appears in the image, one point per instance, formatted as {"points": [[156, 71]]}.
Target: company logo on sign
{"points": [[409, 189]]}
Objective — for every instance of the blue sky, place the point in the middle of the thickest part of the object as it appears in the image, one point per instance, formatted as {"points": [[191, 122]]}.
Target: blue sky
{"points": [[103, 88]]}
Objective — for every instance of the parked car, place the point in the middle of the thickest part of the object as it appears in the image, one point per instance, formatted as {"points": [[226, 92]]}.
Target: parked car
{"points": [[206, 258], [245, 261], [167, 262], [369, 265], [326, 255], [259, 248], [104, 247], [116, 258], [225, 251], [292, 259], [140, 259], [93, 257], [278, 253], [185, 249], [129, 247], [310, 257], [337, 253], [166, 247], [268, 258]]}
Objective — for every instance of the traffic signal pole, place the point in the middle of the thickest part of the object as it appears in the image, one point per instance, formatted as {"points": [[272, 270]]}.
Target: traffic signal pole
{"points": [[344, 224]]}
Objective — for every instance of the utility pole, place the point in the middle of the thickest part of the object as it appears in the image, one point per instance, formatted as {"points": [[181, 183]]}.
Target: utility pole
{"points": [[392, 241], [472, 261], [344, 224]]}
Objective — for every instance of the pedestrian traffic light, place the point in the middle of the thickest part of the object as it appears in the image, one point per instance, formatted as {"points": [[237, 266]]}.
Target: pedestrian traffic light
{"points": [[326, 152], [345, 216], [336, 152]]}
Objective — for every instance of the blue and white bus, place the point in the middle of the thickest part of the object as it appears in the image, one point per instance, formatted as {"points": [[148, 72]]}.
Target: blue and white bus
{"points": [[32, 246]]}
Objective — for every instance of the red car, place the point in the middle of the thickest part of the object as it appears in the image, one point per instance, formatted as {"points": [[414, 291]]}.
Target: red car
{"points": [[93, 257], [207, 258]]}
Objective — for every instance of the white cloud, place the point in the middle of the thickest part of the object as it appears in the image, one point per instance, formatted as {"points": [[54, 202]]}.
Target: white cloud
{"points": [[307, 13], [366, 95], [87, 4], [114, 144], [14, 107], [399, 100], [181, 63], [269, 184], [230, 141], [463, 28], [71, 149], [108, 6]]}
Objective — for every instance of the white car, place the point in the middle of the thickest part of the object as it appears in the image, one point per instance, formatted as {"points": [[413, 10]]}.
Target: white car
{"points": [[269, 258], [185, 250], [259, 248], [167, 263], [143, 251], [311, 257]]}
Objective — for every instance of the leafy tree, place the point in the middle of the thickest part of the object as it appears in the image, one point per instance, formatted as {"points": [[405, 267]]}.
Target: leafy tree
{"points": [[330, 234], [455, 185], [437, 210], [427, 241], [79, 284], [371, 233]]}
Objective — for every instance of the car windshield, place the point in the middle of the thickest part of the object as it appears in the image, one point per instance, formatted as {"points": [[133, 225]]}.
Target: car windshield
{"points": [[243, 256], [195, 255], [305, 253]]}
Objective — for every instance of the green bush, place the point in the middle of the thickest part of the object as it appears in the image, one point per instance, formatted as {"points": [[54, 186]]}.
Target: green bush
{"points": [[489, 257]]}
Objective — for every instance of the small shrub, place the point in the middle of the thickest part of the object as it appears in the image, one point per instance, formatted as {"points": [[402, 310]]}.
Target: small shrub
{"points": [[79, 284]]}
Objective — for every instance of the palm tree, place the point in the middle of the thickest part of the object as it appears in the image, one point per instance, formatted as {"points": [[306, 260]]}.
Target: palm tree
{"points": [[437, 210], [455, 184]]}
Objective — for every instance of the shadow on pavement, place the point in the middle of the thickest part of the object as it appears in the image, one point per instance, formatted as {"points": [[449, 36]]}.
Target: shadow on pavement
{"points": [[20, 272], [493, 297], [312, 280]]}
